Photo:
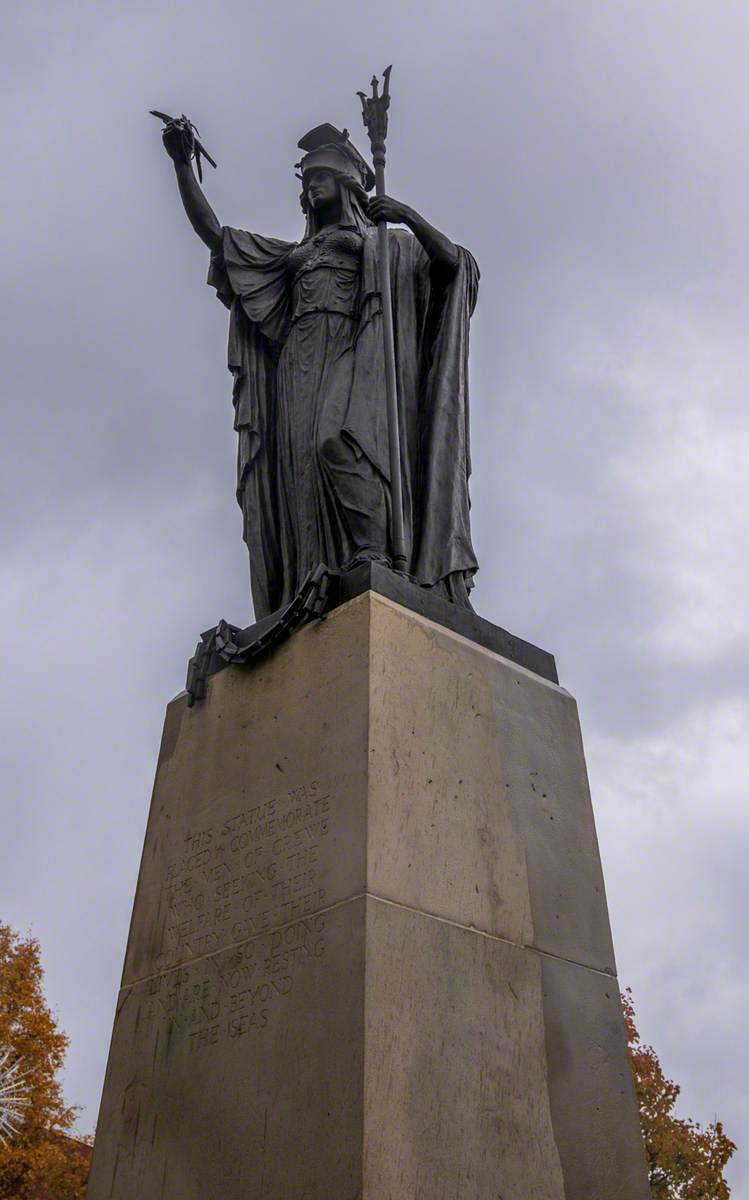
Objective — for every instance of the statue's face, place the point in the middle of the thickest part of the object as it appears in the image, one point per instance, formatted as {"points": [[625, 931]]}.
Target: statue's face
{"points": [[323, 189]]}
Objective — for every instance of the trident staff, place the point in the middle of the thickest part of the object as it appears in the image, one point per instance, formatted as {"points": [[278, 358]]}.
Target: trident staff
{"points": [[374, 114]]}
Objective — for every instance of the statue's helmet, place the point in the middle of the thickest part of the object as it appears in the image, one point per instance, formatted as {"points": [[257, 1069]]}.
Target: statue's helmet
{"points": [[330, 149]]}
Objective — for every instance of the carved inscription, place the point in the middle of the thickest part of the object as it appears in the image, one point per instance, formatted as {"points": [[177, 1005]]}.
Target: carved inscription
{"points": [[248, 874], [237, 993]]}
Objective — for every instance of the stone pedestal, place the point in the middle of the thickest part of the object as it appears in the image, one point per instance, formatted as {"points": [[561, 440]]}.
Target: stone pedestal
{"points": [[370, 956]]}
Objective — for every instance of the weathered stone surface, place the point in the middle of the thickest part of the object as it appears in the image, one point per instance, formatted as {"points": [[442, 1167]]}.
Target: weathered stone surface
{"points": [[456, 1100], [370, 957], [241, 1073], [259, 809], [491, 1070], [479, 807], [596, 1123]]}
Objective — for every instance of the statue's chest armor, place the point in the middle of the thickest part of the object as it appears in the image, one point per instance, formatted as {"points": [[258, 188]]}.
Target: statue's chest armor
{"points": [[325, 273]]}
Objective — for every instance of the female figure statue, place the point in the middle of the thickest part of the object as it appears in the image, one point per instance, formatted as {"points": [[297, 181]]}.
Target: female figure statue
{"points": [[305, 350]]}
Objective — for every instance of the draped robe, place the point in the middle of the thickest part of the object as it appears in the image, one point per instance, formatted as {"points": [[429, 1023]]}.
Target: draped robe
{"points": [[431, 323]]}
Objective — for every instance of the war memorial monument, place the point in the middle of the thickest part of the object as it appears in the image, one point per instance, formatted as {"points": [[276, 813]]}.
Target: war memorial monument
{"points": [[369, 955]]}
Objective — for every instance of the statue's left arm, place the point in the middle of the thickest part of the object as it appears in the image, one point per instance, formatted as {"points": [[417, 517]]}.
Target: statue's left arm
{"points": [[442, 252]]}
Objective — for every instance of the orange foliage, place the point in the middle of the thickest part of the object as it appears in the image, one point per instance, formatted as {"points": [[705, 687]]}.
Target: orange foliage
{"points": [[39, 1159], [685, 1161]]}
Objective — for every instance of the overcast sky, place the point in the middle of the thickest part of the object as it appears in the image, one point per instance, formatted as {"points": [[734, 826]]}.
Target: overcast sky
{"points": [[595, 158]]}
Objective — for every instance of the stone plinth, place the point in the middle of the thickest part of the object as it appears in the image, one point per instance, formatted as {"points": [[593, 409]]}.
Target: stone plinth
{"points": [[370, 957]]}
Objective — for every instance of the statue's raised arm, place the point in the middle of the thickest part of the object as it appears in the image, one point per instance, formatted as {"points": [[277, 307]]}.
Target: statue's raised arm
{"points": [[179, 143]]}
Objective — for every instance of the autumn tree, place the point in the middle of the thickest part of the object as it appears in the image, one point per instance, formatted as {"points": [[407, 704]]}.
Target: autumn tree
{"points": [[685, 1161], [40, 1158]]}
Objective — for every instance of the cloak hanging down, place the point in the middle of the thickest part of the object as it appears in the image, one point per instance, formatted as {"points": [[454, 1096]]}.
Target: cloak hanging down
{"points": [[431, 319]]}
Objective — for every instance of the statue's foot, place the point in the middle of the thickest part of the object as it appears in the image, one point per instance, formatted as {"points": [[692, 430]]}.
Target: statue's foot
{"points": [[368, 554]]}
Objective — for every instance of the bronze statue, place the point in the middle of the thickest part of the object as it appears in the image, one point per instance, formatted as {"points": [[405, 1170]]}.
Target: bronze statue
{"points": [[310, 394]]}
